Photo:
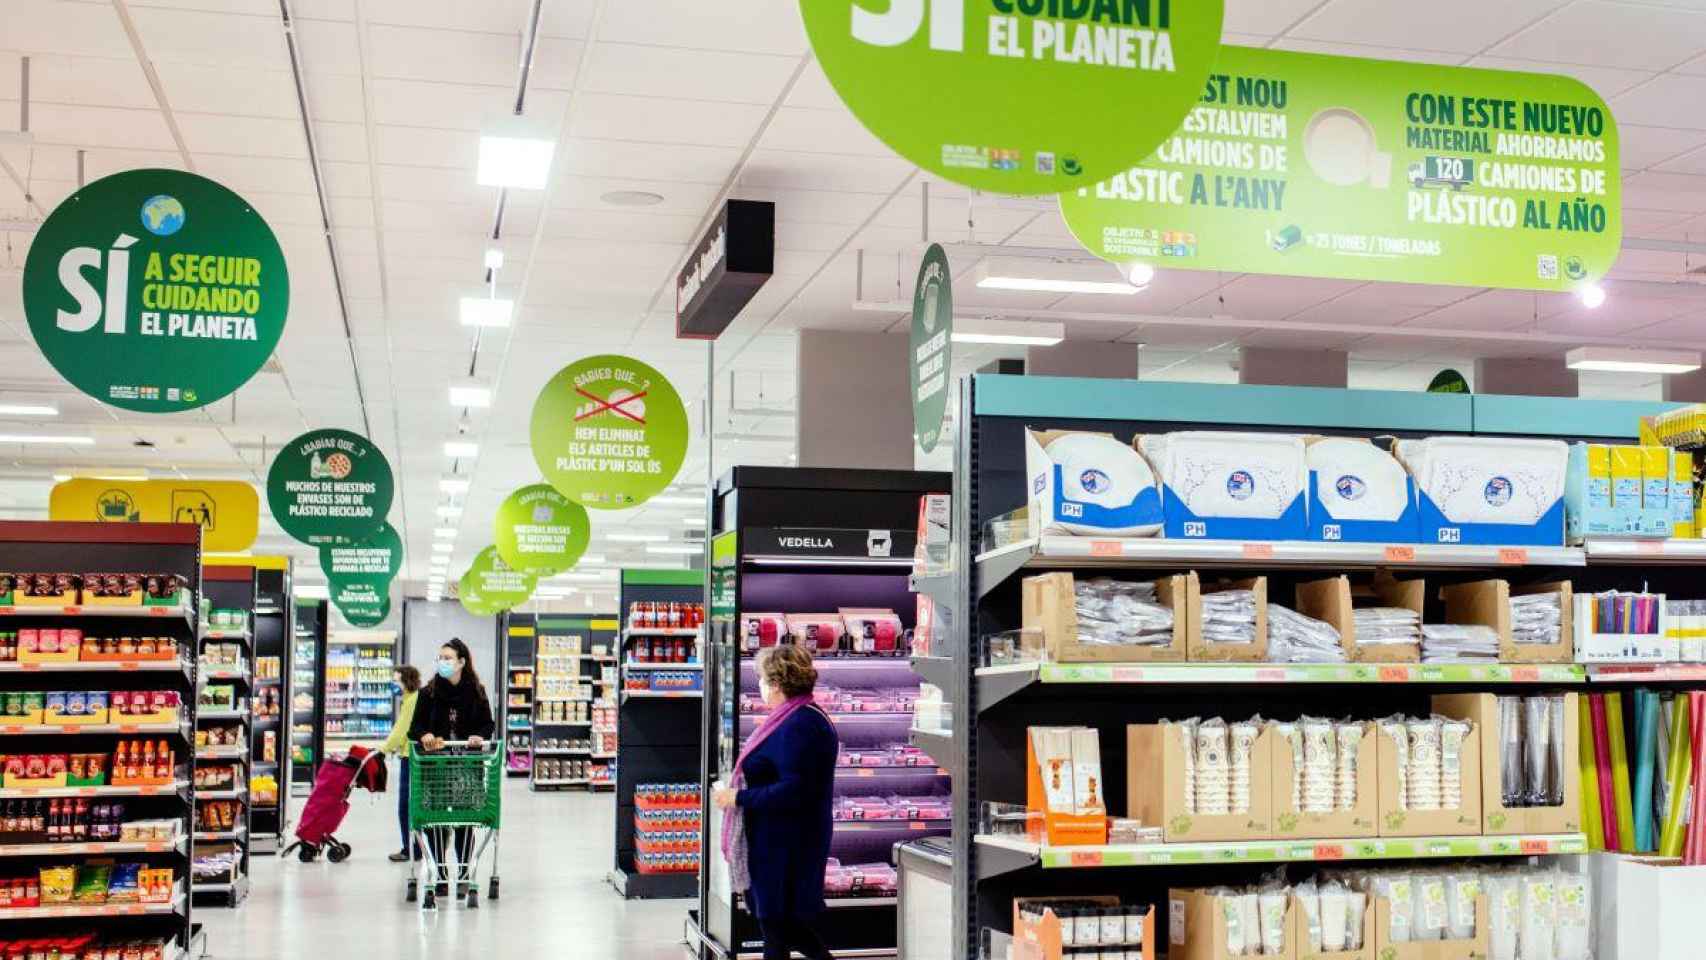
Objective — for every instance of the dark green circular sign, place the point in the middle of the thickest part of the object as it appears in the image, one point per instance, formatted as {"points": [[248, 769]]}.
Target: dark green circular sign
{"points": [[930, 362], [1448, 381], [361, 568], [156, 290], [609, 432], [539, 531], [329, 487], [367, 615]]}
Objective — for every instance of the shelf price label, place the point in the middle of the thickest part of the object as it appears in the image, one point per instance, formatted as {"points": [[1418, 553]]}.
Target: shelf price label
{"points": [[1258, 551], [1086, 858], [1329, 851], [29, 667], [1525, 674], [1106, 548], [1395, 674], [1400, 554], [1533, 847], [1650, 548], [1513, 555]]}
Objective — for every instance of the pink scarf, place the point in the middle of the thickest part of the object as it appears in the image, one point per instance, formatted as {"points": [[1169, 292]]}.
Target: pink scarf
{"points": [[734, 848]]}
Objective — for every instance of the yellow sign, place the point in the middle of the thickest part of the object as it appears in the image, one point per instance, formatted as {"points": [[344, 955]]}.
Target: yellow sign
{"points": [[228, 510]]}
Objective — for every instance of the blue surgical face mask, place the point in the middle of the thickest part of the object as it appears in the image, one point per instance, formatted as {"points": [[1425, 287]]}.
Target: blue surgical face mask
{"points": [[445, 669], [396, 687]]}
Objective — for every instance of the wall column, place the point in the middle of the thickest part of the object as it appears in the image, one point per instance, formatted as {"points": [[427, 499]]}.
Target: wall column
{"points": [[1526, 376], [1083, 358], [1293, 368], [855, 406]]}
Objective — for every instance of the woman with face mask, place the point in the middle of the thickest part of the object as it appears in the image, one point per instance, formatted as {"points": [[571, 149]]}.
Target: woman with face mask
{"points": [[776, 810], [452, 706], [406, 682]]}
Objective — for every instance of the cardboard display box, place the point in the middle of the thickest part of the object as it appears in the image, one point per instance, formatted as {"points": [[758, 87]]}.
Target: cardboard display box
{"points": [[1073, 772], [1155, 788], [1561, 652], [1051, 509], [1482, 709], [1042, 940], [1475, 948], [1361, 821], [1050, 618], [1396, 821], [1300, 937], [1203, 650], [1331, 601], [1197, 930]]}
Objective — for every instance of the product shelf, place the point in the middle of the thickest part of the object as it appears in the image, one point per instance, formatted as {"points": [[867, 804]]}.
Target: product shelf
{"points": [[234, 794], [662, 694], [180, 611], [209, 633], [939, 744], [90, 729], [84, 910], [228, 752], [1014, 853], [1645, 552], [1647, 672], [634, 665], [658, 632], [96, 848], [98, 666], [206, 835], [214, 714]]}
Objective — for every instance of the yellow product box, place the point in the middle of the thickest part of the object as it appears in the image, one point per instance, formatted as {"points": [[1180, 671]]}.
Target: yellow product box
{"points": [[1625, 476]]}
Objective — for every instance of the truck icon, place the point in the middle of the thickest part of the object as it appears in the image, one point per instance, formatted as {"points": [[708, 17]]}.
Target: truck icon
{"points": [[1453, 172]]}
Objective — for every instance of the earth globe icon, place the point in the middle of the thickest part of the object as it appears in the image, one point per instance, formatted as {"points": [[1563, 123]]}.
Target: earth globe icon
{"points": [[162, 215]]}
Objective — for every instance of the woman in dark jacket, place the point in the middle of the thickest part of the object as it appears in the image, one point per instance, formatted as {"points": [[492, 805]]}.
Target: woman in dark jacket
{"points": [[454, 706], [784, 784]]}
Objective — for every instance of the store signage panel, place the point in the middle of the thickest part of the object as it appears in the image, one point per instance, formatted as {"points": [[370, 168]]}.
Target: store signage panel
{"points": [[330, 487], [365, 615], [156, 290], [1308, 165], [731, 262], [609, 432], [825, 542], [498, 585], [539, 531], [1017, 96], [361, 568], [930, 361], [228, 511]]}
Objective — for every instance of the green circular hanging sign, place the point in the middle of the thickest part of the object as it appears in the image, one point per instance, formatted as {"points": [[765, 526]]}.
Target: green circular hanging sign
{"points": [[156, 290], [374, 562], [540, 531], [930, 362], [329, 487], [1017, 96], [495, 583], [367, 615], [609, 432], [350, 594]]}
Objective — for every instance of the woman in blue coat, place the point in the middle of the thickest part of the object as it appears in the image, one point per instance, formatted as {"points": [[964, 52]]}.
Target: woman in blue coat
{"points": [[777, 820]]}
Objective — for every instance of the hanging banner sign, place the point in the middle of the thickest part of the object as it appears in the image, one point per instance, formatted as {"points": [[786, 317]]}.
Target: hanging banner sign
{"points": [[734, 258], [374, 561], [539, 531], [1448, 381], [1017, 96], [1318, 166], [227, 510], [497, 584], [156, 290], [930, 361], [329, 487], [609, 432]]}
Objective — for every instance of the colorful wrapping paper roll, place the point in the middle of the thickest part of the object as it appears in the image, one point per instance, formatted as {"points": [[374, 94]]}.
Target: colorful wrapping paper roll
{"points": [[1678, 774], [1646, 706], [1591, 823], [1694, 850], [1602, 765], [1620, 771]]}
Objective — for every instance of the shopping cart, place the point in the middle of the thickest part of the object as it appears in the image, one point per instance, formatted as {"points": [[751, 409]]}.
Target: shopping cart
{"points": [[454, 796]]}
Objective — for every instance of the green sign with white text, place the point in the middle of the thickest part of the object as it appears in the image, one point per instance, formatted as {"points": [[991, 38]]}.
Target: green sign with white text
{"points": [[359, 573], [366, 615], [330, 487], [497, 586], [930, 361], [1017, 96], [540, 531], [609, 432], [1319, 166], [156, 290]]}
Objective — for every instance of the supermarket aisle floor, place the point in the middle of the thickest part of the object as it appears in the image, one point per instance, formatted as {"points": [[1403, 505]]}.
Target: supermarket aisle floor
{"points": [[556, 850]]}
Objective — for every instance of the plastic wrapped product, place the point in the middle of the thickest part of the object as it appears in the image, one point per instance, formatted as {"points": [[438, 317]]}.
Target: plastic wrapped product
{"points": [[1214, 769], [1250, 912], [1539, 916], [1233, 913], [1461, 889], [1575, 906], [1504, 898], [1399, 889], [1393, 729], [1188, 742], [1088, 920], [1309, 898], [1113, 925], [1319, 761], [1224, 474], [1229, 616], [1109, 482], [1291, 736], [1512, 784], [1379, 626], [1134, 917], [1333, 916], [1424, 764], [1555, 759], [1273, 923], [1350, 740], [1117, 612], [1243, 743], [1295, 638], [1452, 733], [1356, 903], [1537, 749], [1536, 618], [1432, 910], [1459, 643]]}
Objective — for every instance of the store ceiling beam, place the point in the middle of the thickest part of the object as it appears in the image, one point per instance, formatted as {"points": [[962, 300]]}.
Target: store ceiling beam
{"points": [[122, 8]]}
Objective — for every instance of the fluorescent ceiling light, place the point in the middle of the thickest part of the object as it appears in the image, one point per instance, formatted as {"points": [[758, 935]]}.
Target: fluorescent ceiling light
{"points": [[449, 532], [1041, 333], [312, 591], [449, 510], [1593, 295], [637, 537], [457, 449], [102, 474], [693, 521], [470, 393], [483, 312], [444, 546], [494, 258], [1053, 276], [28, 410], [677, 501], [1622, 360], [675, 549], [590, 558], [46, 438], [451, 483], [516, 162], [1140, 274]]}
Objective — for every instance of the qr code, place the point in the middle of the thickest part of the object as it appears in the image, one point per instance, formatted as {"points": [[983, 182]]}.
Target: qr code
{"points": [[1547, 267], [1045, 163]]}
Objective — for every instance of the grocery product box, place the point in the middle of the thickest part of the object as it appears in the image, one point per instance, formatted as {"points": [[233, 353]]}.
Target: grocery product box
{"points": [[1682, 495], [1548, 531], [44, 590], [1050, 621], [1482, 709], [1330, 601], [75, 708], [1606, 631], [1203, 649], [1219, 485], [1300, 936], [23, 709], [1343, 502], [1397, 820], [1155, 788], [1489, 491], [1293, 823], [1089, 484], [1204, 926], [1617, 491], [49, 645], [1563, 651], [1041, 929], [1065, 784], [1475, 948]]}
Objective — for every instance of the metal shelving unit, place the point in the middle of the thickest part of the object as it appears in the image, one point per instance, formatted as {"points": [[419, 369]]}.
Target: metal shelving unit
{"points": [[307, 675], [229, 587], [269, 746], [518, 631], [568, 650], [358, 700]]}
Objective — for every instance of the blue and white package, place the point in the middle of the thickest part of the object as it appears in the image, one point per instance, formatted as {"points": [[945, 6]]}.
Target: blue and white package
{"points": [[1232, 485], [1090, 484], [1489, 490], [1359, 493]]}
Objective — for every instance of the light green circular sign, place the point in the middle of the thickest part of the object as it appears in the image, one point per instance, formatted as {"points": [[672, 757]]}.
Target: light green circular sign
{"points": [[931, 360], [375, 560], [156, 290], [540, 531], [495, 584], [329, 487], [609, 432], [367, 615], [1017, 96]]}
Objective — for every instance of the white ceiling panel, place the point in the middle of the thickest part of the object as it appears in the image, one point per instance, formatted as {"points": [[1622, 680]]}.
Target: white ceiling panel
{"points": [[1608, 82], [664, 121], [1648, 37], [686, 74], [1462, 26], [764, 26]]}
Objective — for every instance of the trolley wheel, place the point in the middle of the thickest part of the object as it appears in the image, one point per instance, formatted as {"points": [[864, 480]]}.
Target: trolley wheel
{"points": [[473, 898], [338, 852], [492, 889], [412, 892], [308, 853], [429, 899]]}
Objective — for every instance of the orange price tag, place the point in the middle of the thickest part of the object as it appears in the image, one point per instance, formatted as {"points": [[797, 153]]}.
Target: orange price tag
{"points": [[85, 791], [73, 610], [1086, 858], [1397, 674], [1258, 551], [12, 729], [1270, 675], [158, 611], [1532, 847], [155, 847], [29, 667], [28, 792], [8, 611], [915, 825], [1106, 548], [1513, 555], [867, 773], [1400, 554], [1329, 851], [69, 728], [128, 728], [145, 791], [1525, 674], [130, 665]]}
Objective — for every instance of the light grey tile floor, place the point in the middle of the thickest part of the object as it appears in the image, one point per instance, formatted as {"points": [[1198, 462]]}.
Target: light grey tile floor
{"points": [[555, 851]]}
